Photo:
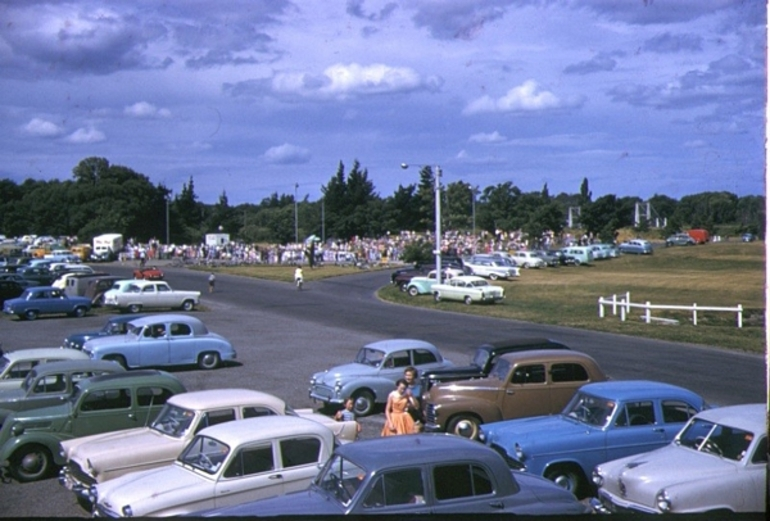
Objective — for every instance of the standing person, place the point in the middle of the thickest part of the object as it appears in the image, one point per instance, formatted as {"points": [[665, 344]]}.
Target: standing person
{"points": [[397, 418], [348, 414], [414, 390], [298, 278], [212, 281]]}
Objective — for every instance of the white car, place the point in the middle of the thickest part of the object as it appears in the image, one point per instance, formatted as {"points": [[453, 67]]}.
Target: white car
{"points": [[491, 269], [424, 285], [223, 465], [101, 457], [468, 289], [717, 464], [527, 259], [141, 294]]}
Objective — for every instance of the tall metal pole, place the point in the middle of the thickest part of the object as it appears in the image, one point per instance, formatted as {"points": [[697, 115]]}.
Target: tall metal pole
{"points": [[437, 251], [296, 217], [168, 240], [473, 213]]}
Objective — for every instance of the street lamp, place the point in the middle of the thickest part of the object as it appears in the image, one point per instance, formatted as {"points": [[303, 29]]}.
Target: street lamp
{"points": [[437, 187], [296, 219]]}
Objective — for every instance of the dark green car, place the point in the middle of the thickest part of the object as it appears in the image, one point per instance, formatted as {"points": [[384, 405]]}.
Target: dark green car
{"points": [[29, 440]]}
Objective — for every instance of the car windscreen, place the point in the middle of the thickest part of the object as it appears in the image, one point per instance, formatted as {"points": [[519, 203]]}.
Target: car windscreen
{"points": [[173, 421], [591, 410], [500, 370], [480, 358], [27, 383], [341, 479], [369, 356], [205, 454], [713, 438]]}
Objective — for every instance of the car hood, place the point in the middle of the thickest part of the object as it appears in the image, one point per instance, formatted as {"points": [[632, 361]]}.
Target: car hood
{"points": [[310, 502], [346, 370], [528, 433], [123, 449], [152, 490], [109, 340]]}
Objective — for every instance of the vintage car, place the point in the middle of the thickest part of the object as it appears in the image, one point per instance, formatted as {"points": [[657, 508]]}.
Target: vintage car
{"points": [[636, 246], [45, 300], [16, 365], [149, 273], [374, 372], [527, 259], [97, 286], [717, 464], [10, 289], [50, 383], [490, 268], [577, 255], [521, 384], [603, 421], [160, 340], [117, 325], [424, 285], [29, 440], [38, 274], [468, 289], [145, 294], [21, 281], [680, 239], [417, 474], [223, 465], [484, 358], [101, 457]]}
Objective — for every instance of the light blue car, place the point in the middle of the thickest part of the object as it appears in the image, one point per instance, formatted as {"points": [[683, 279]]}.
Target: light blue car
{"points": [[374, 372], [602, 422], [46, 300]]}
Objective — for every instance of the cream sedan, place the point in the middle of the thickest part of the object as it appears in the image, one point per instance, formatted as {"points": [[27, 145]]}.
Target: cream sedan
{"points": [[468, 289]]}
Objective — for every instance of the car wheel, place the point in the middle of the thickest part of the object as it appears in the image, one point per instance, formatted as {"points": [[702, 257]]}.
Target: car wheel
{"points": [[464, 425], [79, 312], [31, 314], [31, 463], [363, 403], [569, 477], [494, 276], [577, 262], [134, 308], [84, 503], [402, 286], [119, 359], [413, 291], [188, 305], [468, 300], [209, 360]]}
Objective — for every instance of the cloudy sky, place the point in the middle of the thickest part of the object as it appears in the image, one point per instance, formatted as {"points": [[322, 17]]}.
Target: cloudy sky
{"points": [[251, 97]]}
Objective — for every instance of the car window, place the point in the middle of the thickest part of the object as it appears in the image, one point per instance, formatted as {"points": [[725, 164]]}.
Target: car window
{"points": [[147, 396], [423, 356], [215, 417], [529, 374], [21, 369], [676, 411], [463, 480], [178, 329], [760, 454], [300, 451], [106, 400], [204, 453], [251, 460], [256, 412], [400, 487], [635, 414], [54, 383], [148, 289], [162, 288], [398, 359], [568, 372]]}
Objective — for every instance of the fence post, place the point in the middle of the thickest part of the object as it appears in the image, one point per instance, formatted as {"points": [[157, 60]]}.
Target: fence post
{"points": [[647, 312], [601, 307], [622, 313], [628, 302], [694, 314], [614, 304], [740, 316]]}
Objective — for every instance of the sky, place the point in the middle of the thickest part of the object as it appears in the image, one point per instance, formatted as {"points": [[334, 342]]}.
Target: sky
{"points": [[251, 98]]}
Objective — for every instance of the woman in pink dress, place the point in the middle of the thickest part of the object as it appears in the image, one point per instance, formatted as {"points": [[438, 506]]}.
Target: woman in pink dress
{"points": [[397, 418]]}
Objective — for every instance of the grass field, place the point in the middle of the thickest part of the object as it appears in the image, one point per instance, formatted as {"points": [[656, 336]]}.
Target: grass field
{"points": [[717, 274]]}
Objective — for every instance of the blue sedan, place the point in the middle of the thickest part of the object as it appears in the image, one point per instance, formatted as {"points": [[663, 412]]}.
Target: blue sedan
{"points": [[46, 300], [603, 421]]}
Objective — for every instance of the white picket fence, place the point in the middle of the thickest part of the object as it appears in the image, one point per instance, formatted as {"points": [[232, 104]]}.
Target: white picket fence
{"points": [[622, 306]]}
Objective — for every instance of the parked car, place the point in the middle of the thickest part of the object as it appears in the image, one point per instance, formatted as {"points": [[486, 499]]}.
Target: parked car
{"points": [[527, 259], [102, 457], [146, 294], [680, 239], [16, 365], [550, 258], [603, 421], [484, 358], [222, 466], [373, 373], [45, 300], [491, 269], [417, 474], [424, 285], [97, 286], [10, 289], [149, 273], [39, 274], [160, 340], [521, 384], [468, 289], [29, 440], [636, 246], [50, 383], [748, 237], [117, 325], [18, 279], [580, 255], [717, 464]]}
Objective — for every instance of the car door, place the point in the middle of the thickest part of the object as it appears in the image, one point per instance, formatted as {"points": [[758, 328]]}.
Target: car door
{"points": [[526, 393], [182, 344], [104, 410], [564, 378], [49, 389], [252, 472], [153, 345], [636, 427], [149, 296], [166, 298]]}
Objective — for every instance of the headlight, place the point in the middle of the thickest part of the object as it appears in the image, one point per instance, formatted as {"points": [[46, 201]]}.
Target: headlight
{"points": [[127, 512], [663, 502], [519, 452], [597, 478], [17, 429], [337, 386]]}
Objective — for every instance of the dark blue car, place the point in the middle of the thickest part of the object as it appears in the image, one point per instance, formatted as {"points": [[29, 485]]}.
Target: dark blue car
{"points": [[603, 421], [46, 300], [117, 325]]}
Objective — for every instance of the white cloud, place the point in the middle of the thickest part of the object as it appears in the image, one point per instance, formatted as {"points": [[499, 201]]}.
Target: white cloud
{"points": [[84, 136], [42, 128], [287, 154], [483, 137], [142, 109], [526, 97]]}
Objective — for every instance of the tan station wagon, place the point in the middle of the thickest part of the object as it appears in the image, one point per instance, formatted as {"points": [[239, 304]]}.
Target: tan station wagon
{"points": [[521, 384]]}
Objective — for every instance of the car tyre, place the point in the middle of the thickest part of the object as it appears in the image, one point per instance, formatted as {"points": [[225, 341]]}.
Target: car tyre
{"points": [[568, 477], [437, 297], [119, 359], [363, 402], [209, 360], [494, 276], [30, 314], [413, 291], [31, 462], [79, 312], [134, 308], [468, 300], [188, 305], [464, 425]]}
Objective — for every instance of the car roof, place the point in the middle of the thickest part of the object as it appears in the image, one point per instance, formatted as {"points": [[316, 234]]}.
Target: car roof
{"points": [[38, 353], [751, 417], [121, 319], [141, 375], [522, 342], [468, 278], [637, 390], [146, 282], [415, 449], [194, 322], [214, 398], [265, 428], [546, 355], [399, 344], [77, 365]]}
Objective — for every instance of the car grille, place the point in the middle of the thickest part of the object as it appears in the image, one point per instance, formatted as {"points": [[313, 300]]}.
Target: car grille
{"points": [[430, 413], [102, 511], [322, 392], [81, 476]]}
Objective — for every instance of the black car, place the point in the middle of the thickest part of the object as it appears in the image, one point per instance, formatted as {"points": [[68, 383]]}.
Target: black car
{"points": [[10, 289], [485, 357]]}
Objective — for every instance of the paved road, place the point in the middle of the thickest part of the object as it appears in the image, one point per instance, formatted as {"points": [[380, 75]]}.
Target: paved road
{"points": [[283, 335]]}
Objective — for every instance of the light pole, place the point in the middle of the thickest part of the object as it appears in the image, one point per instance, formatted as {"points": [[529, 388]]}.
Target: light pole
{"points": [[168, 241], [437, 187], [296, 217], [474, 192]]}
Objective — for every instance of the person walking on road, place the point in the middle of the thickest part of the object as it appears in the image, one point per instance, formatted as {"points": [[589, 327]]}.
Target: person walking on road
{"points": [[212, 280]]}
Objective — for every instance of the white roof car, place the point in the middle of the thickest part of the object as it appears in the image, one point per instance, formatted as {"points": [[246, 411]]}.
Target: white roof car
{"points": [[717, 463], [468, 289], [527, 259], [223, 465], [14, 365]]}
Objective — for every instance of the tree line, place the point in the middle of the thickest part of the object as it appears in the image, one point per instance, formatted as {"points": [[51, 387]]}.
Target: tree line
{"points": [[102, 198]]}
